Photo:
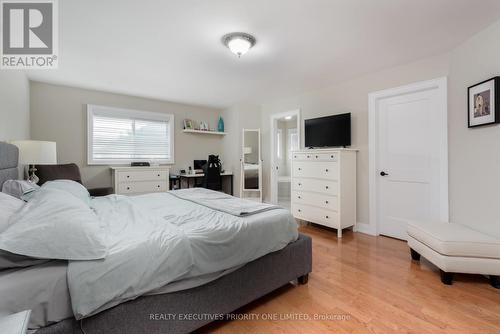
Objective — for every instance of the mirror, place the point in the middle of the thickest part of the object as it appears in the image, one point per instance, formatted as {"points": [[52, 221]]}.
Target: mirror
{"points": [[251, 162]]}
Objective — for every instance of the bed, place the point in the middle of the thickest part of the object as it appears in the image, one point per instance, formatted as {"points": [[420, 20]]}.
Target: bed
{"points": [[200, 298]]}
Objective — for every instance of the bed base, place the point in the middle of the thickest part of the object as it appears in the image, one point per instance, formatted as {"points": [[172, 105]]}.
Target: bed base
{"points": [[154, 314]]}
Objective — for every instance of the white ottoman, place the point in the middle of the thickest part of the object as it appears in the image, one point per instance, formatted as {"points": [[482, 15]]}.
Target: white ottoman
{"points": [[455, 248]]}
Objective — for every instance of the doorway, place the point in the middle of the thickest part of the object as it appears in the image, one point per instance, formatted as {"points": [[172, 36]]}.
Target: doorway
{"points": [[408, 150], [285, 132]]}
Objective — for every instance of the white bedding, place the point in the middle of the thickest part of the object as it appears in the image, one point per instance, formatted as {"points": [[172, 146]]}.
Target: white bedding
{"points": [[156, 239], [43, 289], [157, 243]]}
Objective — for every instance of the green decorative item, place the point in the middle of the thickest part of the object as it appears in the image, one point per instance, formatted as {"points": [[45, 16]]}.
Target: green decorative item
{"points": [[220, 125]]}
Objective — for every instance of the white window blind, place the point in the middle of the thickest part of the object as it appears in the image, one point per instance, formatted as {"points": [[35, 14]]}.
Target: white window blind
{"points": [[120, 136]]}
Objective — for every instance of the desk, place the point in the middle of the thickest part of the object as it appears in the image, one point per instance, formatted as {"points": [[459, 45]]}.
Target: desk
{"points": [[194, 177]]}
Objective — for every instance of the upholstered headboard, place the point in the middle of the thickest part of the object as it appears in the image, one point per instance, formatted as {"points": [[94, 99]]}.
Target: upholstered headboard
{"points": [[9, 157]]}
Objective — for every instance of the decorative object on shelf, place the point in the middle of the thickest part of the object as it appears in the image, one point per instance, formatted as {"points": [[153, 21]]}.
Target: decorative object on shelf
{"points": [[484, 103], [220, 124], [34, 152], [203, 126], [188, 124]]}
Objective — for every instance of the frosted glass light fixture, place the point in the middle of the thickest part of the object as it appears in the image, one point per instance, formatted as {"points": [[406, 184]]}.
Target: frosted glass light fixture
{"points": [[239, 42]]}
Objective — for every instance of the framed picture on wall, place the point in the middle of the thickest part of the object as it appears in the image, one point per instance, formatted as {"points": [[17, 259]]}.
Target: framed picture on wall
{"points": [[484, 103]]}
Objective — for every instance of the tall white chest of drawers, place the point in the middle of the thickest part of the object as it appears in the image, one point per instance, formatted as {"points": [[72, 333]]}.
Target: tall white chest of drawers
{"points": [[140, 180], [324, 187]]}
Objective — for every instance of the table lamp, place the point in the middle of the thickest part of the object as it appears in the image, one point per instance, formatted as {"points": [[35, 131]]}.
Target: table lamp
{"points": [[34, 152]]}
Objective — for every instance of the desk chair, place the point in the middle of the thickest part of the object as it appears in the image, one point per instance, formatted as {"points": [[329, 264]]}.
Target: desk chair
{"points": [[211, 169]]}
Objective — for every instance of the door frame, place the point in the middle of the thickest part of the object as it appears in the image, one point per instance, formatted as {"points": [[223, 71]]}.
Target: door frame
{"points": [[440, 84], [274, 121]]}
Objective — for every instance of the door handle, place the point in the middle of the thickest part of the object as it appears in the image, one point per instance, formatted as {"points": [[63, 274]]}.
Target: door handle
{"points": [[383, 173]]}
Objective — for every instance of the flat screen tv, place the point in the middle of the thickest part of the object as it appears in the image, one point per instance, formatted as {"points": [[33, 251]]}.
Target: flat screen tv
{"points": [[330, 131]]}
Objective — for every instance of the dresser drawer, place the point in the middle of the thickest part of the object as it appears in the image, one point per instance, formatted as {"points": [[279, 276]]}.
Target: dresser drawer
{"points": [[142, 187], [320, 186], [304, 156], [321, 170], [315, 215], [319, 200], [326, 157], [142, 175]]}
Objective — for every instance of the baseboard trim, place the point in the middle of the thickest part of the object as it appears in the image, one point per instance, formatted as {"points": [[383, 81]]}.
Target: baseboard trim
{"points": [[365, 229]]}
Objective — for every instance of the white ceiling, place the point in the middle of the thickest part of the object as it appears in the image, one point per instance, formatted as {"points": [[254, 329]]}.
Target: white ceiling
{"points": [[171, 50]]}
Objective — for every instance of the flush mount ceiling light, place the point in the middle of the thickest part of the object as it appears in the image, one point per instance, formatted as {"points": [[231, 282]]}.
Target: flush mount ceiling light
{"points": [[238, 42]]}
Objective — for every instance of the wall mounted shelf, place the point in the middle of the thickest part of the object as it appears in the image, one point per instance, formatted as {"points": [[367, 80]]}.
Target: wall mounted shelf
{"points": [[205, 132]]}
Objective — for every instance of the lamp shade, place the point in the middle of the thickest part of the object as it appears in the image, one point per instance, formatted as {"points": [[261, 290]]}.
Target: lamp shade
{"points": [[34, 152]]}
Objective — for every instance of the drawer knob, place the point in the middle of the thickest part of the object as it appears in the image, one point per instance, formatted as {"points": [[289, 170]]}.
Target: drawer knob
{"points": [[300, 184], [158, 174], [326, 187], [300, 210], [299, 197], [300, 168], [331, 156], [128, 176], [128, 188], [308, 156], [326, 170], [317, 157], [327, 217], [326, 202], [295, 156]]}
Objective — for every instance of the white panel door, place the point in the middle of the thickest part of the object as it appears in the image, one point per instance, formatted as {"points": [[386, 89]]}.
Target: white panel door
{"points": [[409, 160]]}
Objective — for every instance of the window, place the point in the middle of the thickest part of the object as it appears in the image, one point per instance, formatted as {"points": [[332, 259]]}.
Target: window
{"points": [[293, 142], [279, 148], [120, 136]]}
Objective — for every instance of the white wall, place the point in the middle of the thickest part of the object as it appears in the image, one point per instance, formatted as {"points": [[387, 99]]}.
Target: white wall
{"points": [[58, 113], [14, 105], [474, 159], [350, 96], [474, 154]]}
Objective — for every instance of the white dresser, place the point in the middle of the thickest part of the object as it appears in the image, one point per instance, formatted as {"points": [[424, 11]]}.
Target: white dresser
{"points": [[140, 180], [324, 187]]}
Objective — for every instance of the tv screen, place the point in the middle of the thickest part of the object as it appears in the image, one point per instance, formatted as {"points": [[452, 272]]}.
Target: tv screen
{"points": [[330, 131]]}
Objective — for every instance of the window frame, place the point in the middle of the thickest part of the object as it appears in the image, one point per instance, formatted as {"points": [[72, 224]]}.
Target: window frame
{"points": [[279, 144], [99, 110]]}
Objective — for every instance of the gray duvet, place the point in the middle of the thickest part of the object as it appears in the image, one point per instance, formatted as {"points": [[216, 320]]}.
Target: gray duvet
{"points": [[157, 239]]}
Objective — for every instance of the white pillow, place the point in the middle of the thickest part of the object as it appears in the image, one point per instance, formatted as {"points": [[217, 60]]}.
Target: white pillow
{"points": [[74, 188], [8, 206], [18, 188], [53, 225]]}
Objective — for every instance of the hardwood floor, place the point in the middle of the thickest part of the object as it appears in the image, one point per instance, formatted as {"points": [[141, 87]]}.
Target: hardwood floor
{"points": [[373, 282]]}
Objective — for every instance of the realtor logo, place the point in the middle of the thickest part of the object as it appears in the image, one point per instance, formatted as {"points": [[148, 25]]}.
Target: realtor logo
{"points": [[29, 34]]}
